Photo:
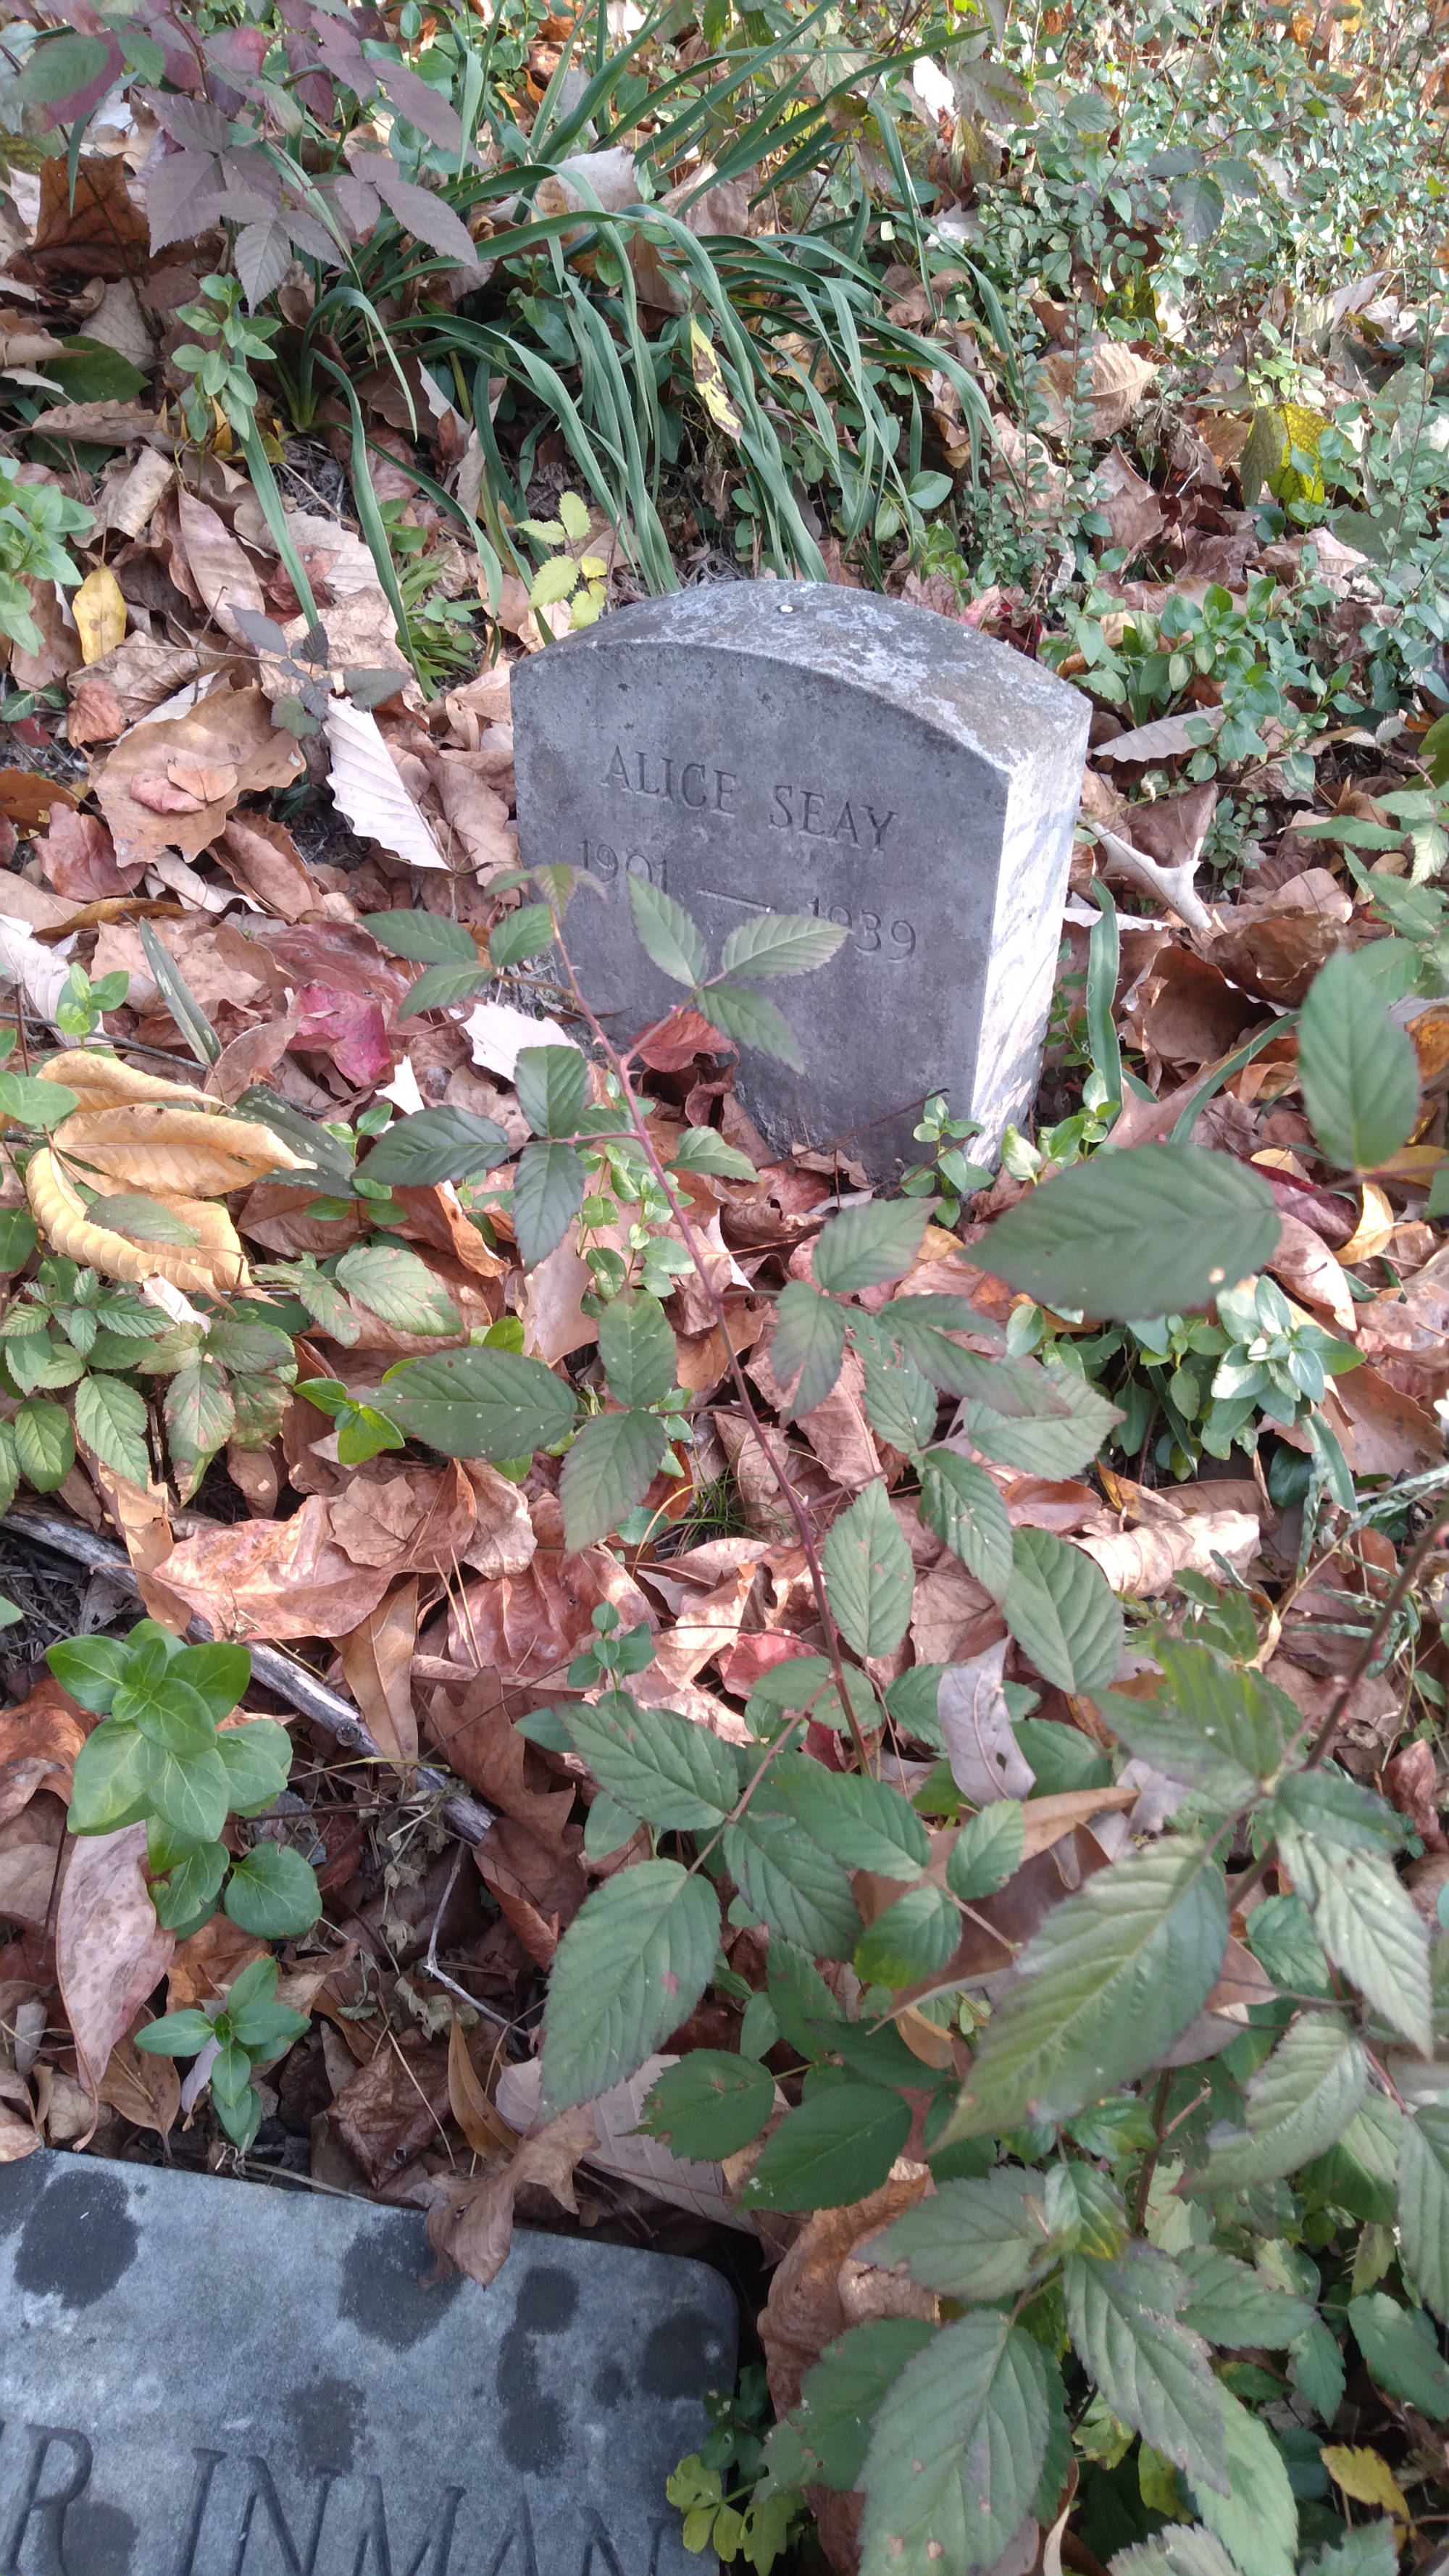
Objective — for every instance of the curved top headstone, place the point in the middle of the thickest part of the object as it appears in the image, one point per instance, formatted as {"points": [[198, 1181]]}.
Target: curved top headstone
{"points": [[791, 747]]}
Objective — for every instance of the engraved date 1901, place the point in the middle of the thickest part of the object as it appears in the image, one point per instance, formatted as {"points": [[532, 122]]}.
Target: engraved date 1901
{"points": [[871, 934]]}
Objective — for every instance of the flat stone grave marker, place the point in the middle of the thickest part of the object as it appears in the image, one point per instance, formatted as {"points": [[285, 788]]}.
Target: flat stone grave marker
{"points": [[760, 747], [201, 2377]]}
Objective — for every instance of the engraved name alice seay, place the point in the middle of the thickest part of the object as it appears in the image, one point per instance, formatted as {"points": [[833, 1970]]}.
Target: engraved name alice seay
{"points": [[821, 813]]}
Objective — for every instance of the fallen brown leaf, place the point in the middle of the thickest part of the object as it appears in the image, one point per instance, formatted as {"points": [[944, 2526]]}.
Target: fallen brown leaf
{"points": [[471, 2223], [109, 1948], [274, 1578], [229, 731], [392, 2108], [377, 1662], [144, 2088], [485, 2129]]}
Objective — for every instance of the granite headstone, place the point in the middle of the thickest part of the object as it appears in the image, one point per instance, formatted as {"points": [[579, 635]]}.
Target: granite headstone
{"points": [[201, 2377], [760, 747]]}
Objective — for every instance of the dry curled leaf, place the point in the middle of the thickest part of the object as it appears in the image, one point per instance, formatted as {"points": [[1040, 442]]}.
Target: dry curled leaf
{"points": [[213, 1264], [471, 2223], [149, 1145], [110, 1951]]}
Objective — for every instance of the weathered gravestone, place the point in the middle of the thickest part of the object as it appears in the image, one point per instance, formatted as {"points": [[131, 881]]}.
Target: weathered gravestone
{"points": [[785, 747], [207, 2378]]}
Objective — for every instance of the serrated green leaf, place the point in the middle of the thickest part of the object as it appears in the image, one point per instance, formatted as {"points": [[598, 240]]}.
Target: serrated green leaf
{"points": [[481, 1403], [44, 1444], [1149, 2367], [199, 1413], [839, 2145], [1327, 1805], [1061, 1609], [1155, 1230], [913, 1939], [839, 2398], [436, 1145], [799, 1891], [868, 1578], [1231, 2304], [110, 1417], [394, 1284], [809, 1345], [1359, 1073], [987, 1851], [607, 1471], [956, 2450], [703, 1149], [676, 1775], [963, 1505], [1219, 1729], [710, 2104], [780, 943], [272, 1893], [636, 1346], [900, 1403], [1102, 1990], [425, 938], [1370, 1928], [1298, 2103], [980, 2240], [864, 1822], [1372, 2550], [140, 1219], [548, 1192], [521, 935], [631, 1966], [1424, 2205], [438, 986], [552, 1083], [749, 1019], [9, 1467], [1053, 1445], [864, 1247], [666, 933], [1402, 2352], [1317, 2372], [1257, 2520], [1178, 2550]]}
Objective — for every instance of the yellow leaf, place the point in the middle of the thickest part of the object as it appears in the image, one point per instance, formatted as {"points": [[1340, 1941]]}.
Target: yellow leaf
{"points": [[709, 382], [1366, 2477], [100, 614], [101, 1081], [215, 1264], [1375, 1225], [148, 1145]]}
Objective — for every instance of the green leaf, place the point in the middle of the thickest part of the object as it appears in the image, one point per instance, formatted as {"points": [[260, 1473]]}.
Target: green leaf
{"points": [[552, 1083], [1424, 2205], [608, 1470], [178, 997], [521, 935], [1215, 1728], [868, 1579], [548, 1192], [839, 2145], [272, 1893], [191, 1887], [190, 1793], [437, 986], [1102, 1990], [780, 943], [748, 1018], [1040, 1443], [199, 1412], [703, 1149], [1371, 1929], [1154, 1230], [676, 1775], [178, 2034], [481, 1403], [34, 1103], [1181, 2549], [1298, 2103], [1325, 1803], [140, 1219], [58, 68], [636, 1346], [112, 1781], [19, 1236], [864, 1822], [110, 1417], [1402, 2352], [987, 1851], [979, 2241], [1257, 2520], [1231, 2304], [956, 2451], [1017, 1389], [92, 1669], [1198, 203], [427, 938], [170, 1714], [913, 1939], [839, 2398], [800, 1892], [963, 1505], [1317, 2371], [1151, 2369], [396, 1285], [709, 2105], [863, 1247], [809, 1344], [436, 1145], [630, 1968], [900, 1403], [1359, 1073], [1061, 1609], [44, 1443], [666, 933], [257, 1759]]}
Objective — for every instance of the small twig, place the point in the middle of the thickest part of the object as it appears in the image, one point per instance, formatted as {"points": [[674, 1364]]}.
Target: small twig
{"points": [[1143, 2192]]}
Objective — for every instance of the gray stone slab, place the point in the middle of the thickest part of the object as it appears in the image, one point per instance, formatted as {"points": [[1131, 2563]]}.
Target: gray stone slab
{"points": [[788, 747], [202, 2377]]}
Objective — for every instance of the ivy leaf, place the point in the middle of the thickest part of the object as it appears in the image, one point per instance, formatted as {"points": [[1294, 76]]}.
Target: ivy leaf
{"points": [[1257, 2520], [636, 1346], [110, 1417], [962, 1504], [1424, 2205], [780, 943], [837, 2147], [272, 1893], [864, 1822], [1402, 2352], [667, 934], [809, 1344], [956, 2451], [1060, 1607], [863, 1247], [608, 1470], [1152, 2371], [749, 1019], [630, 1968], [1298, 2103], [1155, 1230], [710, 2105], [868, 1579], [548, 1191], [987, 1851], [436, 1145], [395, 1285], [552, 1083], [482, 1403], [676, 1775], [1102, 1990], [977, 2240], [1359, 1073]]}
